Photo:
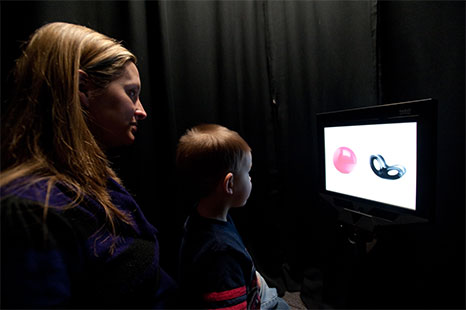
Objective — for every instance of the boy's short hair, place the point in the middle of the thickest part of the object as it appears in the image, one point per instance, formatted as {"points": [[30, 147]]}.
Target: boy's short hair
{"points": [[206, 153]]}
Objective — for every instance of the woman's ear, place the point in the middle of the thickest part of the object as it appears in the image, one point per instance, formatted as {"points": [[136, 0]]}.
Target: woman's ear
{"points": [[228, 183], [83, 88]]}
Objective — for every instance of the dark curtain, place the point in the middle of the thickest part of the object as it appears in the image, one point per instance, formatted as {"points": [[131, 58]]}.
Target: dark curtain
{"points": [[422, 54], [322, 58], [264, 69]]}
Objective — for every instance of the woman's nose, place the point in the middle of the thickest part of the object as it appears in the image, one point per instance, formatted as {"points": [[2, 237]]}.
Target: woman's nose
{"points": [[140, 113]]}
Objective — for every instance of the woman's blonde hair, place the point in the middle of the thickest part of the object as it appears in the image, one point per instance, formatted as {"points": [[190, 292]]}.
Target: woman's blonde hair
{"points": [[45, 135]]}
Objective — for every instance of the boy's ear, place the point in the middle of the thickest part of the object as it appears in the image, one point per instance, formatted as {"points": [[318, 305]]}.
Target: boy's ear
{"points": [[83, 88], [228, 183]]}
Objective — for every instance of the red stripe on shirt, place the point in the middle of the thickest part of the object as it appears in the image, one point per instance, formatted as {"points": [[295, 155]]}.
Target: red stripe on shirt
{"points": [[240, 306], [225, 295]]}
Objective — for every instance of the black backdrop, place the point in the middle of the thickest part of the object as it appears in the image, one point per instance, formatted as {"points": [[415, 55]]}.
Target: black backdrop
{"points": [[264, 68]]}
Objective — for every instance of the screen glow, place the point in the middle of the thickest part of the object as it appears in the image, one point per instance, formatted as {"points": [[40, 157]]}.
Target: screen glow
{"points": [[392, 177]]}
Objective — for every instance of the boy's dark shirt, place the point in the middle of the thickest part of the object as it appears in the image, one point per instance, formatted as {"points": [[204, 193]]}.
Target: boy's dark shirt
{"points": [[215, 269]]}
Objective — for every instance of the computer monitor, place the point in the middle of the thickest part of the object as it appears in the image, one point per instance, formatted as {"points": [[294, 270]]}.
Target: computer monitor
{"points": [[379, 161]]}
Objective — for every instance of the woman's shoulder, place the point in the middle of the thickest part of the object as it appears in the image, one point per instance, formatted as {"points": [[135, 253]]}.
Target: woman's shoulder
{"points": [[33, 209], [26, 224], [37, 191]]}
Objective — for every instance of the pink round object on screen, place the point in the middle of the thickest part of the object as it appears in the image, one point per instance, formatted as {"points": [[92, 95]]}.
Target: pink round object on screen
{"points": [[344, 159]]}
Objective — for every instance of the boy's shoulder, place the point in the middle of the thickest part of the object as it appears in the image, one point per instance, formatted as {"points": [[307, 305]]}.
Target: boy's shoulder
{"points": [[208, 235], [198, 225]]}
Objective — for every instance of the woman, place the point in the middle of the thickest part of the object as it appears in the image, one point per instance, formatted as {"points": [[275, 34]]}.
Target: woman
{"points": [[71, 235]]}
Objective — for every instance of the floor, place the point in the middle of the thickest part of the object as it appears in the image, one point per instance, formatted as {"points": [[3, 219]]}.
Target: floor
{"points": [[294, 300]]}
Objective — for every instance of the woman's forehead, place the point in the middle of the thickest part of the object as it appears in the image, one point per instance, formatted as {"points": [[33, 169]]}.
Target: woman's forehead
{"points": [[130, 74]]}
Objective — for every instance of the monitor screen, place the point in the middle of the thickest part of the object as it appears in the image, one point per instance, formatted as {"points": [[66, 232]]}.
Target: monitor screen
{"points": [[376, 162]]}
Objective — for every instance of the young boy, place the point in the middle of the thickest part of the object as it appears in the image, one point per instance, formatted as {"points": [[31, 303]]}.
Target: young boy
{"points": [[215, 269]]}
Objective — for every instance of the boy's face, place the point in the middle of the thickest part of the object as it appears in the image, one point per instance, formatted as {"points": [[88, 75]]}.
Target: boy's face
{"points": [[242, 181]]}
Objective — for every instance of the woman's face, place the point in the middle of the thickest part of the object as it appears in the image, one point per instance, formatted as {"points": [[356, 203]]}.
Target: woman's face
{"points": [[114, 112]]}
